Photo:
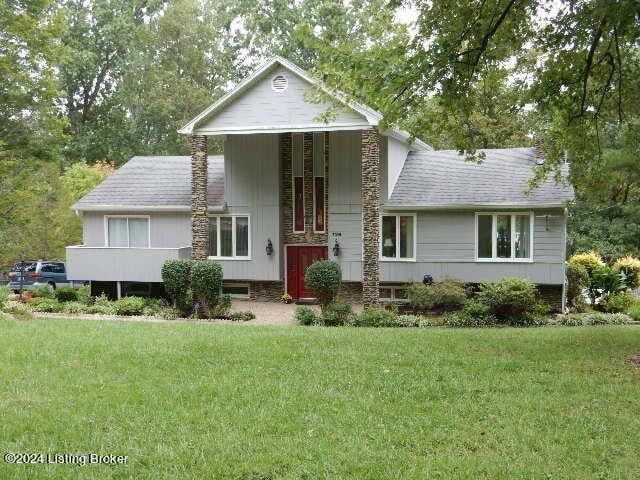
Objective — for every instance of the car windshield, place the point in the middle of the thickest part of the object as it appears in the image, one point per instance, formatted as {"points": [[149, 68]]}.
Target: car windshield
{"points": [[28, 267]]}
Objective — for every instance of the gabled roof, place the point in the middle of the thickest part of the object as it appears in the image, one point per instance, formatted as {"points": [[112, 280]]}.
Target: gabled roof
{"points": [[370, 117], [158, 183], [443, 179]]}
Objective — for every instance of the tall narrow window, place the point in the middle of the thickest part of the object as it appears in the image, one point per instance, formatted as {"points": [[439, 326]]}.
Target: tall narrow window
{"points": [[318, 182], [297, 170], [229, 237], [398, 237], [130, 232], [504, 237]]}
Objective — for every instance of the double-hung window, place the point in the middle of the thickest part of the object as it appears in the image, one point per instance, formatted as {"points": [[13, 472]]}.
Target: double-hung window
{"points": [[127, 231], [398, 239], [229, 237], [504, 237]]}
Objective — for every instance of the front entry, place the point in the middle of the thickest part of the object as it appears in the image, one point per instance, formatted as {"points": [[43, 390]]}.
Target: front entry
{"points": [[298, 260]]}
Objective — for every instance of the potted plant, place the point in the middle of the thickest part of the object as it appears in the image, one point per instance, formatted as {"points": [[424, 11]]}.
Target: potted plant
{"points": [[286, 298]]}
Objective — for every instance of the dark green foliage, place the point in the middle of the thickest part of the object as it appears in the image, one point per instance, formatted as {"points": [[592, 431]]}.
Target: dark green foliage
{"points": [[324, 279], [606, 281], [65, 294], [336, 314], [221, 308], [375, 317], [439, 295], [44, 304], [176, 276], [577, 280], [509, 299], [43, 291], [129, 306], [84, 295], [206, 281], [306, 316], [618, 303], [242, 316]]}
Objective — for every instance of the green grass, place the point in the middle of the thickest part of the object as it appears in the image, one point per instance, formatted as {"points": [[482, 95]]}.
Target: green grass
{"points": [[249, 402]]}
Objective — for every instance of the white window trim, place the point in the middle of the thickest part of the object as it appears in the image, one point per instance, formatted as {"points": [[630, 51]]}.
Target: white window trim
{"points": [[233, 237], [397, 258], [293, 191], [494, 258], [235, 295], [106, 229]]}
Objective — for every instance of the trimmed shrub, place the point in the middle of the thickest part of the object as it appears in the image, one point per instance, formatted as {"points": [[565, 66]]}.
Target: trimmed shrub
{"points": [[73, 307], [129, 306], [306, 316], [618, 303], [589, 260], [42, 291], [65, 294], [475, 308], [324, 279], [222, 308], [577, 280], [634, 312], [375, 317], [509, 298], [336, 314], [84, 295], [206, 281], [242, 316], [42, 304], [176, 276], [100, 309], [630, 266], [4, 297], [439, 295]]}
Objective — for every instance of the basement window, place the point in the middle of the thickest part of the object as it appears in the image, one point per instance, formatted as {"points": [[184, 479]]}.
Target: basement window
{"points": [[235, 290]]}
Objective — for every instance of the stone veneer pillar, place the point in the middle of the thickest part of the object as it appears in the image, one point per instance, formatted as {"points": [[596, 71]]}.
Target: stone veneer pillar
{"points": [[199, 219], [370, 216]]}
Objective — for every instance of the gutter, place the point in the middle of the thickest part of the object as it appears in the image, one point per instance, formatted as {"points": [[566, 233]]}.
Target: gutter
{"points": [[464, 206], [145, 208]]}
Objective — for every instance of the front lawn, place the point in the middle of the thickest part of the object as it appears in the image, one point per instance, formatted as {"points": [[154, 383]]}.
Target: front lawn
{"points": [[249, 402]]}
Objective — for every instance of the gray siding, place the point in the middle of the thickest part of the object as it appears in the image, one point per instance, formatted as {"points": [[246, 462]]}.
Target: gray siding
{"points": [[168, 230], [445, 248], [252, 187], [261, 106], [345, 203]]}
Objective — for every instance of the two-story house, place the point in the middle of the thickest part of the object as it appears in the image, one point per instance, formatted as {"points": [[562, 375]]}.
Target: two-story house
{"points": [[295, 185]]}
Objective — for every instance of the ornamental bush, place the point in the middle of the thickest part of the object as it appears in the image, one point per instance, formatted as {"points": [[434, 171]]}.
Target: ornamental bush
{"points": [[634, 312], [445, 294], [509, 299], [375, 317], [242, 316], [176, 276], [222, 308], [577, 281], [43, 304], [129, 306], [589, 260], [65, 294], [618, 303], [43, 291], [605, 281], [323, 279], [306, 316], [592, 318], [206, 282], [337, 314], [630, 266]]}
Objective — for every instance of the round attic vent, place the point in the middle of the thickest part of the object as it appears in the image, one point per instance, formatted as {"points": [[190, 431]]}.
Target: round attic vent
{"points": [[279, 83]]}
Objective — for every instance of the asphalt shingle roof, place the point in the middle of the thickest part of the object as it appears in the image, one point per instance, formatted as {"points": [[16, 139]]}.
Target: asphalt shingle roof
{"points": [[443, 178], [158, 181]]}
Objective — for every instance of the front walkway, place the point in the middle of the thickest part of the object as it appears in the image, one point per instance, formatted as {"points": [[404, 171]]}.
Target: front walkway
{"points": [[267, 313]]}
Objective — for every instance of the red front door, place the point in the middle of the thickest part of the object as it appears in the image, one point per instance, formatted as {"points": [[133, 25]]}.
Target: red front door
{"points": [[298, 260]]}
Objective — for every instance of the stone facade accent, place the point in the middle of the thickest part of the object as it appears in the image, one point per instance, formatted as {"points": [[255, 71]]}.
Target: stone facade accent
{"points": [[199, 219], [350, 292], [371, 143], [288, 236], [266, 291]]}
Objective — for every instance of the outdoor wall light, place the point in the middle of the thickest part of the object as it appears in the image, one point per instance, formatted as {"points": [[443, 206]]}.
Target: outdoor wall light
{"points": [[269, 247], [427, 279], [336, 249]]}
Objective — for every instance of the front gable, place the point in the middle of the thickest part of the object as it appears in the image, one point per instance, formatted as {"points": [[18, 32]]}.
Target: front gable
{"points": [[274, 99]]}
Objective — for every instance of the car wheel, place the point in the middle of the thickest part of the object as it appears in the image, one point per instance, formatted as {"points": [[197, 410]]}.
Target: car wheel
{"points": [[52, 286]]}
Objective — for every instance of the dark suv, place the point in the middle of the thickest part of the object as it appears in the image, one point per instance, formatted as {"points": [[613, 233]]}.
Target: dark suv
{"points": [[33, 273]]}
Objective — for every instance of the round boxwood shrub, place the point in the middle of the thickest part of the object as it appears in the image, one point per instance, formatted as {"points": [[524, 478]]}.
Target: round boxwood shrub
{"points": [[129, 306], [442, 295], [66, 294], [323, 279], [509, 299], [206, 282], [306, 316], [176, 276]]}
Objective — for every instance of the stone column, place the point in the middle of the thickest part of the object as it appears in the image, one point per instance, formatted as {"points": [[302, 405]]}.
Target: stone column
{"points": [[371, 142], [199, 219]]}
